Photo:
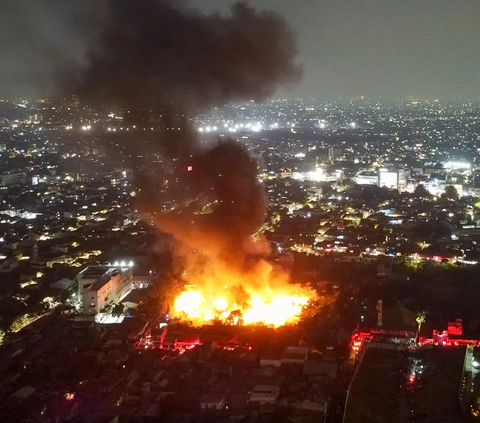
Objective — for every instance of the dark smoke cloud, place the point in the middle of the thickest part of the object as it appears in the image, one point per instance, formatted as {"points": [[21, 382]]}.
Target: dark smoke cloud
{"points": [[228, 174], [156, 53], [160, 58], [39, 37]]}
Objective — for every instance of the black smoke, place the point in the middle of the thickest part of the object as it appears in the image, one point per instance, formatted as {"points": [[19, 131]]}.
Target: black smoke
{"points": [[153, 53], [168, 60]]}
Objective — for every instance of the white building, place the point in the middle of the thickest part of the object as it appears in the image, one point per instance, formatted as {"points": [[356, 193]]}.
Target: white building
{"points": [[390, 177], [367, 178], [99, 286]]}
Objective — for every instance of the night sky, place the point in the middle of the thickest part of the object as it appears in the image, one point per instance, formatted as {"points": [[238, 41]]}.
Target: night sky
{"points": [[383, 49]]}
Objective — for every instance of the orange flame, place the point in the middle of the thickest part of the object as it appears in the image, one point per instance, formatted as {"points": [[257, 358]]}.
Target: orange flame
{"points": [[260, 295]]}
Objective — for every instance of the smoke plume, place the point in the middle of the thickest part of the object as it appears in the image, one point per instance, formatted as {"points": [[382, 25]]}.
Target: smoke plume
{"points": [[154, 53], [159, 58]]}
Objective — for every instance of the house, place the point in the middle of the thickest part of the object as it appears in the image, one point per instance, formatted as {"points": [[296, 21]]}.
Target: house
{"points": [[24, 393], [63, 284], [8, 265], [222, 369], [265, 394], [295, 355], [213, 401], [179, 341], [320, 368], [316, 404], [134, 298], [206, 351], [271, 360]]}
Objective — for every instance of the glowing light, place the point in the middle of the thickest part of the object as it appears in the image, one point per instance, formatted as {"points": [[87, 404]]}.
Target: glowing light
{"points": [[220, 304], [276, 311], [271, 300], [317, 175]]}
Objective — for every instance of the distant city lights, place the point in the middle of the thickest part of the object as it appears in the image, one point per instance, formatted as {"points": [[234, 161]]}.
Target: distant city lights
{"points": [[254, 127]]}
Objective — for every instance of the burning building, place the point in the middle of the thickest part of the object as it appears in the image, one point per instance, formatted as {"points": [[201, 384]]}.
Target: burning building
{"points": [[162, 60]]}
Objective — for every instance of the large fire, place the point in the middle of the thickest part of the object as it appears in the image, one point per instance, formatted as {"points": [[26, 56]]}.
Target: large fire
{"points": [[260, 295]]}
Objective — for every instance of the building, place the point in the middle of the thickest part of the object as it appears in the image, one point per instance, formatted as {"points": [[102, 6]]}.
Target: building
{"points": [[393, 178], [265, 394], [12, 178], [36, 118], [99, 286], [213, 401], [9, 265], [271, 360], [367, 178], [390, 177], [295, 355], [325, 369], [334, 153], [64, 284]]}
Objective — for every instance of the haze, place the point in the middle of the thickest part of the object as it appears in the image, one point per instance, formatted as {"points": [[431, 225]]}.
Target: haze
{"points": [[383, 49]]}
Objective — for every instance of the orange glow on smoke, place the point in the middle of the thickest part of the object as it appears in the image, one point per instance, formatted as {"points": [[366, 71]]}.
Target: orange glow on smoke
{"points": [[260, 295]]}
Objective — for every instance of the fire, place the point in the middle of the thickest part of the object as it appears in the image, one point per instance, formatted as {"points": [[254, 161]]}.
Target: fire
{"points": [[271, 300]]}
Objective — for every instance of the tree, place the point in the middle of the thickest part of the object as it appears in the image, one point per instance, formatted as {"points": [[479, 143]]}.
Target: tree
{"points": [[235, 318], [421, 192], [117, 310], [451, 193], [421, 317]]}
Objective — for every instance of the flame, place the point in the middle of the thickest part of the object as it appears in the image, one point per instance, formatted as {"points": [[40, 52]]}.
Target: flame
{"points": [[260, 295]]}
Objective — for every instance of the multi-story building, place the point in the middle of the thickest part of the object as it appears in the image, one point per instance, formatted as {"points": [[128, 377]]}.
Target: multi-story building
{"points": [[99, 286], [390, 177], [12, 178]]}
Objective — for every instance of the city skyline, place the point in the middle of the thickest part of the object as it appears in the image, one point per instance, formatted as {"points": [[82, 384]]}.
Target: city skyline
{"points": [[180, 242], [382, 50]]}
